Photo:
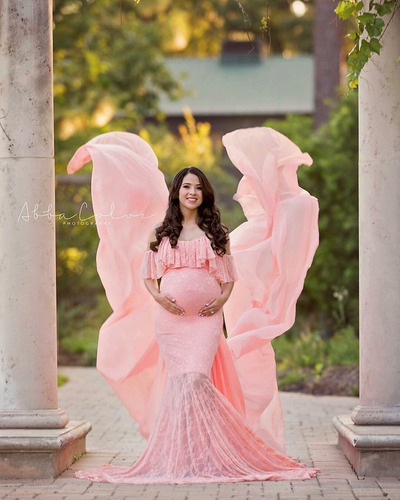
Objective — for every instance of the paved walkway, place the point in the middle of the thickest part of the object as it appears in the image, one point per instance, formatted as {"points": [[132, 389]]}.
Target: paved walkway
{"points": [[309, 434]]}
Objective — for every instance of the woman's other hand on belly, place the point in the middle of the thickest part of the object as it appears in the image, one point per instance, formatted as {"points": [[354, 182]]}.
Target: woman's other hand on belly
{"points": [[169, 303], [212, 306]]}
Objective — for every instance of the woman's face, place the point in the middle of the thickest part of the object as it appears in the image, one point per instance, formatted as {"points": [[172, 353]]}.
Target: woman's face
{"points": [[190, 192]]}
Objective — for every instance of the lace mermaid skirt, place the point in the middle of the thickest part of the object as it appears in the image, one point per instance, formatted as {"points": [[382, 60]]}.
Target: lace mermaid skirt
{"points": [[198, 436]]}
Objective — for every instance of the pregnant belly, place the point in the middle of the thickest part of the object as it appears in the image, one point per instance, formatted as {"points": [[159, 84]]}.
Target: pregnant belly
{"points": [[191, 288], [188, 343]]}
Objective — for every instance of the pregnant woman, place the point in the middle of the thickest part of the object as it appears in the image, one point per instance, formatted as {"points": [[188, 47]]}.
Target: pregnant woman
{"points": [[199, 432]]}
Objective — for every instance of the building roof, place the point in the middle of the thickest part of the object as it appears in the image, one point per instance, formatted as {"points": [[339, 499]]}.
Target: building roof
{"points": [[272, 86]]}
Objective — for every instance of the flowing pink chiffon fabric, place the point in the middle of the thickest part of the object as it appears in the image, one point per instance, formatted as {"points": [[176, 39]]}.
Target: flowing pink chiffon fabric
{"points": [[203, 402], [273, 251]]}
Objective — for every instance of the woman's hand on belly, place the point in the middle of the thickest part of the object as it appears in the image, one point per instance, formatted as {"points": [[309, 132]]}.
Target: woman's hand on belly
{"points": [[215, 304], [212, 306], [169, 303]]}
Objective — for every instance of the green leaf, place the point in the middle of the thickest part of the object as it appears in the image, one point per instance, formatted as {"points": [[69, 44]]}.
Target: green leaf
{"points": [[354, 35], [376, 28], [384, 8], [366, 18], [347, 8], [363, 59], [375, 45], [353, 57], [365, 48]]}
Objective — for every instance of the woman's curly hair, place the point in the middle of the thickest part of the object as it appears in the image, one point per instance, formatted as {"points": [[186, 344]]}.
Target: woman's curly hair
{"points": [[209, 218]]}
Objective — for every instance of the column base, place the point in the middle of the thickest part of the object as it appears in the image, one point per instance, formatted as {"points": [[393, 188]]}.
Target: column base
{"points": [[41, 453], [376, 415], [372, 450], [33, 419]]}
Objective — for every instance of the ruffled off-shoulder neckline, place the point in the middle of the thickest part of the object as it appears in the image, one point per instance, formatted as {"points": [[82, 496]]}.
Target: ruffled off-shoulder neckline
{"points": [[195, 253]]}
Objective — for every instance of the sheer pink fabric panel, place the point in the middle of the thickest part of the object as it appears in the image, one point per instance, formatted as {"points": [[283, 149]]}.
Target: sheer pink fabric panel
{"points": [[273, 251], [126, 183]]}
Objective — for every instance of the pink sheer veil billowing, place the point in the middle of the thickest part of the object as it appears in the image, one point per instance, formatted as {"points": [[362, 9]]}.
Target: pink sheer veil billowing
{"points": [[272, 251], [129, 196]]}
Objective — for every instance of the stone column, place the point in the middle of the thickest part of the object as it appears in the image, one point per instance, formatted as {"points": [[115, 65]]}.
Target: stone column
{"points": [[28, 341], [374, 433]]}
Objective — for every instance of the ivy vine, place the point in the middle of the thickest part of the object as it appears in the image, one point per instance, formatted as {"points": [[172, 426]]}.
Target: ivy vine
{"points": [[370, 28]]}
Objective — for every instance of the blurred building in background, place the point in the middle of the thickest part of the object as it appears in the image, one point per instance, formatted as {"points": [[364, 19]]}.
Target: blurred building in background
{"points": [[242, 88]]}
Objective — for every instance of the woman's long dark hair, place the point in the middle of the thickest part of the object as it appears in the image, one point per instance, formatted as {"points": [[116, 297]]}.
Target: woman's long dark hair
{"points": [[209, 218]]}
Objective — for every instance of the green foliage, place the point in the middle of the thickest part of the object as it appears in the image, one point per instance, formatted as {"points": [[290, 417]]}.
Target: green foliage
{"points": [[79, 322], [108, 72], [193, 146], [82, 344], [296, 351], [343, 347], [291, 377], [77, 242], [331, 288], [190, 27], [368, 33], [309, 349], [307, 361], [61, 379]]}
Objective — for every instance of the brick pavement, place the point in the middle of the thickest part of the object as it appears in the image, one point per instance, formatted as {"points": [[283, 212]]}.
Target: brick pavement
{"points": [[114, 438]]}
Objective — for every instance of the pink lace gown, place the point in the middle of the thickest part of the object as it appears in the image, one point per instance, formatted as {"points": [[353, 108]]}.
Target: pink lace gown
{"points": [[198, 435], [209, 407]]}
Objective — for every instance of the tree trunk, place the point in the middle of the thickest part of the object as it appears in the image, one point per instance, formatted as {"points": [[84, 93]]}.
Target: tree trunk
{"points": [[327, 43]]}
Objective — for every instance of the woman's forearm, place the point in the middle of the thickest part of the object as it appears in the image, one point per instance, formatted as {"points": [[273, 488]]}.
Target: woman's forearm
{"points": [[226, 290], [152, 287]]}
